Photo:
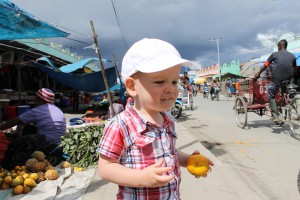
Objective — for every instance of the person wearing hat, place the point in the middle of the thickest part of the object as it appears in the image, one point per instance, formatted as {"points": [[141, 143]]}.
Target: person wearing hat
{"points": [[47, 118], [137, 149]]}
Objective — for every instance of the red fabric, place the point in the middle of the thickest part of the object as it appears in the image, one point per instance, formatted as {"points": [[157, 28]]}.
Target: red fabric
{"points": [[4, 142], [267, 63]]}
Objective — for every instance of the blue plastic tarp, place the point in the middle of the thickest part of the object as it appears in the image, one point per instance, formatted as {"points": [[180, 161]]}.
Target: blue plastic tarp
{"points": [[297, 55], [74, 66], [16, 23], [92, 82]]}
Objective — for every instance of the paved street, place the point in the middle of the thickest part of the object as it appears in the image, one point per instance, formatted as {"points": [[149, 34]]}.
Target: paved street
{"points": [[263, 157], [260, 163]]}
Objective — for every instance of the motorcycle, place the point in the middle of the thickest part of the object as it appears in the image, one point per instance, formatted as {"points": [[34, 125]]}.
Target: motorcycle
{"points": [[215, 93], [176, 109], [205, 92]]}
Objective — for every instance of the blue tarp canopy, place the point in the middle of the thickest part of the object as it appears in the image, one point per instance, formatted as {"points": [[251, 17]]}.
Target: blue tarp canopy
{"points": [[16, 23], [297, 58], [92, 82], [74, 66]]}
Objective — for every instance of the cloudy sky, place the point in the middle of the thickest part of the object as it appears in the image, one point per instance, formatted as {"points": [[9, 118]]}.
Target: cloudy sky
{"points": [[248, 29]]}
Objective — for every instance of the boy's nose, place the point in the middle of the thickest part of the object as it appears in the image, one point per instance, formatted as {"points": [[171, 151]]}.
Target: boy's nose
{"points": [[171, 88]]}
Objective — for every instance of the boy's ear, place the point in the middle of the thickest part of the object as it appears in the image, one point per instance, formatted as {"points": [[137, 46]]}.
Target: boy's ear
{"points": [[130, 86]]}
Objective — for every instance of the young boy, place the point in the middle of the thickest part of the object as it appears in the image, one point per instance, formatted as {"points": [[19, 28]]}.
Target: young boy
{"points": [[137, 150]]}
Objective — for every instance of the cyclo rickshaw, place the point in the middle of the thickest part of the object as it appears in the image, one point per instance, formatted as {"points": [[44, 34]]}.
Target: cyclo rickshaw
{"points": [[286, 98], [231, 90]]}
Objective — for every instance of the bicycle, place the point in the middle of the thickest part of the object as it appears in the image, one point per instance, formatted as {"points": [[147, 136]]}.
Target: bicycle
{"points": [[288, 104], [289, 109]]}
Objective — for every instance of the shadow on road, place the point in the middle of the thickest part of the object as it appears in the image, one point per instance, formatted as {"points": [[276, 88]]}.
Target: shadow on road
{"points": [[274, 128], [185, 116], [214, 147]]}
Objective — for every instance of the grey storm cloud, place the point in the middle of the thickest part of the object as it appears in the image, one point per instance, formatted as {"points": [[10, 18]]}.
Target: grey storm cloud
{"points": [[248, 29]]}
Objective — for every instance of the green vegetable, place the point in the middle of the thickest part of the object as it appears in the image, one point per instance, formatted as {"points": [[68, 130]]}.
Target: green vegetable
{"points": [[80, 144]]}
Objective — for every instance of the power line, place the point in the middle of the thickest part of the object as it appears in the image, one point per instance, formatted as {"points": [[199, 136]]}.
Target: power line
{"points": [[72, 30], [118, 21], [78, 41], [247, 13]]}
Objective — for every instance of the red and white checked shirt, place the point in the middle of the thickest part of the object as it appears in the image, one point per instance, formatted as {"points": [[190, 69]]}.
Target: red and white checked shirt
{"points": [[136, 144]]}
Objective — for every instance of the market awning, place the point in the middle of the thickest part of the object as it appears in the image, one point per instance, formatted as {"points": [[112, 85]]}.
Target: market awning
{"points": [[16, 23], [297, 58], [92, 82], [250, 68], [74, 66], [199, 80]]}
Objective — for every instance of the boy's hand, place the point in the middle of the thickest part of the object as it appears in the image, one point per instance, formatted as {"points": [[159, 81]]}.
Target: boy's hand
{"points": [[155, 175]]}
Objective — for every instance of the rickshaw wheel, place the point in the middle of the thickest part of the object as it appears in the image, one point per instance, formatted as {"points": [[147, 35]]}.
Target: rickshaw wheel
{"points": [[240, 112], [294, 117]]}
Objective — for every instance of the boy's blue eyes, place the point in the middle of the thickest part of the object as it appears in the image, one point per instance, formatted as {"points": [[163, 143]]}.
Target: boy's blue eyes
{"points": [[162, 82]]}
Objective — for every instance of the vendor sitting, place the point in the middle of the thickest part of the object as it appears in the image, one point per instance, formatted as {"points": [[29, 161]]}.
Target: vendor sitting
{"points": [[47, 119]]}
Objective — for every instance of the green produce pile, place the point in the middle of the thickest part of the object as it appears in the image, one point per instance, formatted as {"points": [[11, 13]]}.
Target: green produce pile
{"points": [[80, 144]]}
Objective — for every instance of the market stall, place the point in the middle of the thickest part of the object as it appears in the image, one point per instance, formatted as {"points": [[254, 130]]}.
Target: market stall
{"points": [[73, 176]]}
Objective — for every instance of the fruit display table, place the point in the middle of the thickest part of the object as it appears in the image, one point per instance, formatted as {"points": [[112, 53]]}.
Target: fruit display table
{"points": [[70, 185]]}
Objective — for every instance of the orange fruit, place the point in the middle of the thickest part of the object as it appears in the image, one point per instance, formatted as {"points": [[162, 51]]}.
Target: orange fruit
{"points": [[18, 189], [30, 183], [198, 165], [8, 179], [17, 168], [20, 178], [65, 164], [34, 176], [5, 186], [26, 189], [14, 175], [16, 182], [25, 176], [21, 173]]}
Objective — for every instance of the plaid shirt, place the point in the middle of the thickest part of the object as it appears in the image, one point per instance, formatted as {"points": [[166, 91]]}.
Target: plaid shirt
{"points": [[137, 144]]}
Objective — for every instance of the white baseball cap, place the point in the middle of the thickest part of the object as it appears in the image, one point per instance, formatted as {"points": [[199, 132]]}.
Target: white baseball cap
{"points": [[150, 55]]}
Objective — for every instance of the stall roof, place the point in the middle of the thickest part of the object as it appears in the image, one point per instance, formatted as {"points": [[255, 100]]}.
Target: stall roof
{"points": [[297, 58], [19, 24], [75, 66], [92, 82]]}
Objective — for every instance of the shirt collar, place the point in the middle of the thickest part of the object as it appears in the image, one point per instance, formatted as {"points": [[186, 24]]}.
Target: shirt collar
{"points": [[168, 119]]}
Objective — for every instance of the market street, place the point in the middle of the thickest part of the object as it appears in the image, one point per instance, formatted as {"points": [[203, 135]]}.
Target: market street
{"points": [[264, 157]]}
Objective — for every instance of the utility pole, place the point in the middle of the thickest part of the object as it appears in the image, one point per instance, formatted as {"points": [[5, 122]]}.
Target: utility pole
{"points": [[217, 41], [102, 68]]}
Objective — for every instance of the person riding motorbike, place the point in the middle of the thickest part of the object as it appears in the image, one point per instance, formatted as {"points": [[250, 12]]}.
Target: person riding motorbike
{"points": [[214, 85], [205, 89]]}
